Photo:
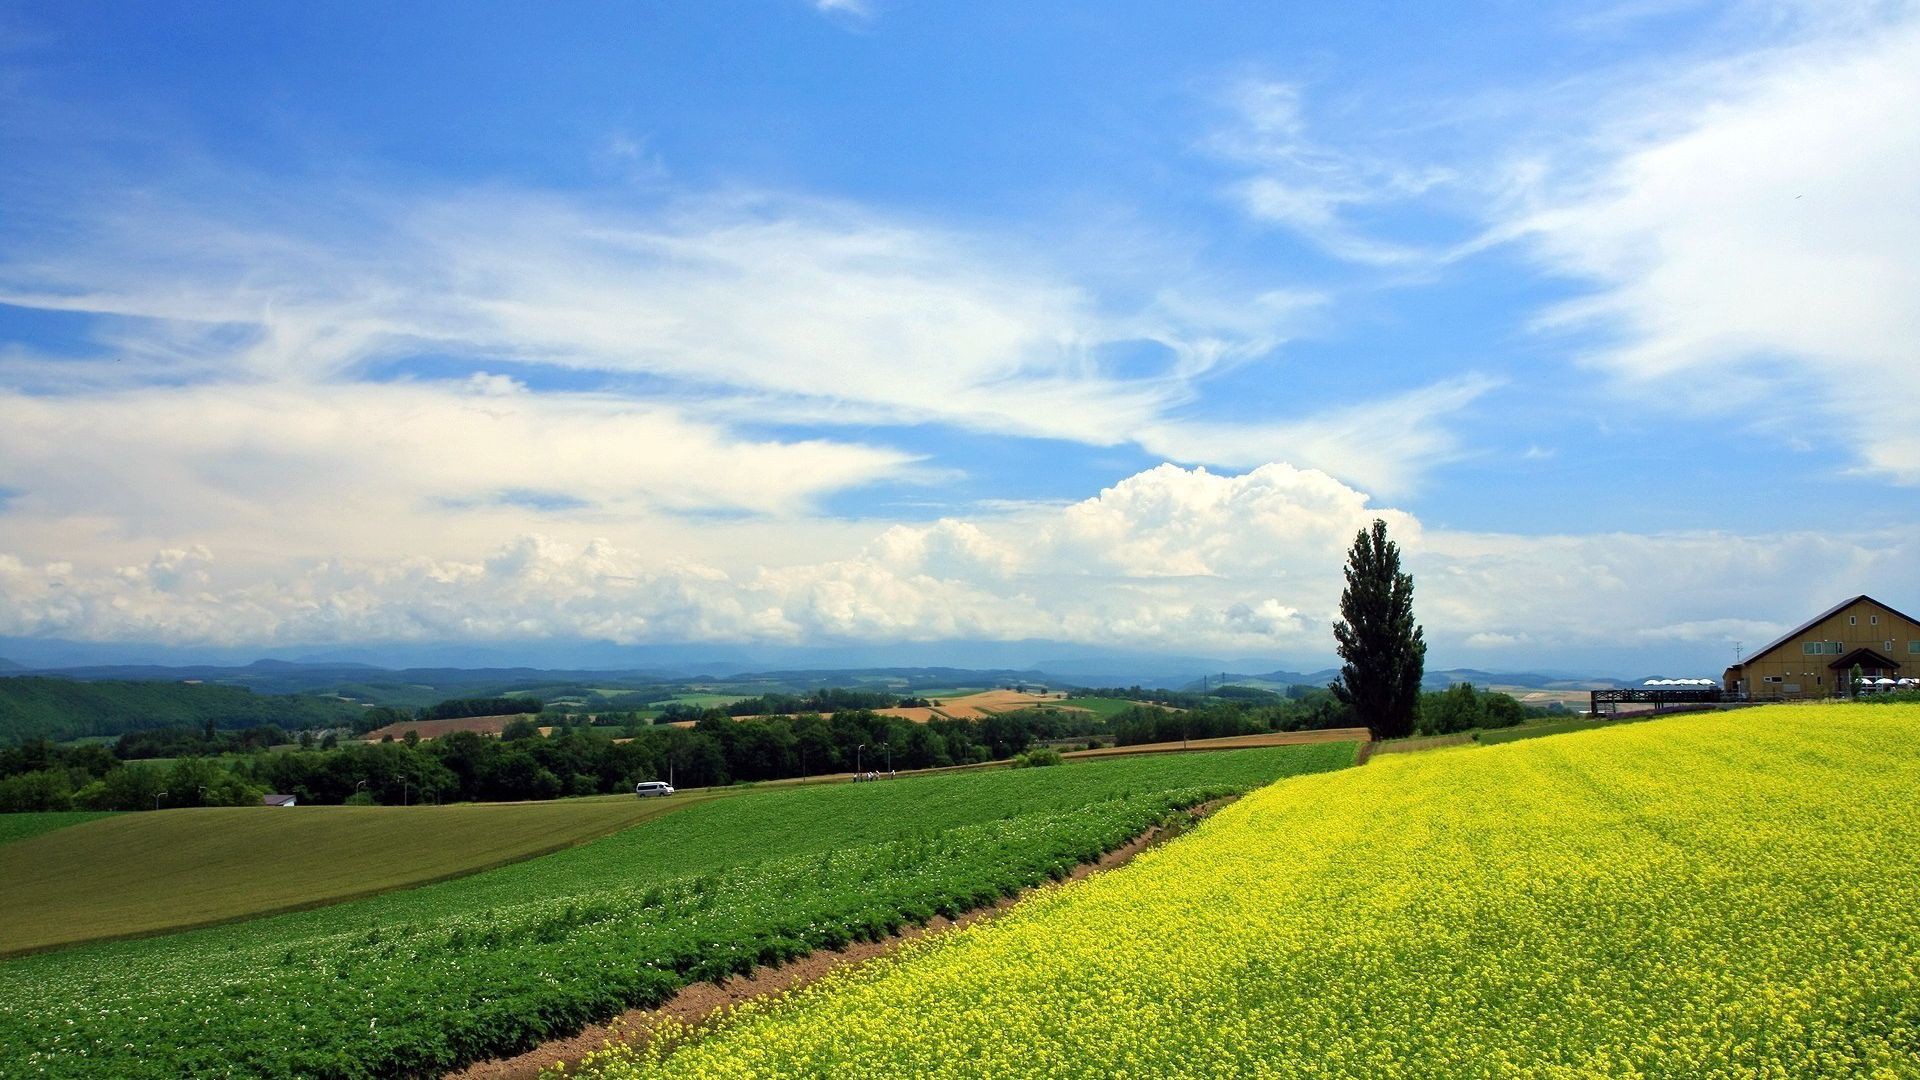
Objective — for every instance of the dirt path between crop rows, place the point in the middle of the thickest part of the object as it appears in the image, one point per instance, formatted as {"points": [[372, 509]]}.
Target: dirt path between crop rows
{"points": [[699, 1002]]}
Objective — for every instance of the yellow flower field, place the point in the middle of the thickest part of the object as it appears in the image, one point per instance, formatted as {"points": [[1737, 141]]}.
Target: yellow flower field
{"points": [[1731, 894]]}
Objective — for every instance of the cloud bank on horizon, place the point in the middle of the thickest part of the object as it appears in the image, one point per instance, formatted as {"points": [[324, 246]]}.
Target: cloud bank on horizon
{"points": [[799, 335]]}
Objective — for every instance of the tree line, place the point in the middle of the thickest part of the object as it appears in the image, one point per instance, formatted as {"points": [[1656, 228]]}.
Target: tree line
{"points": [[204, 741], [522, 764]]}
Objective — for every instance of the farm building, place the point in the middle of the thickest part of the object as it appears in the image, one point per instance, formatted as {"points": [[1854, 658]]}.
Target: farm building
{"points": [[278, 800], [1815, 659]]}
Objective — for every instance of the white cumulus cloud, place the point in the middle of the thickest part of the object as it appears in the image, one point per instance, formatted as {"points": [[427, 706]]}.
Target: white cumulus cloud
{"points": [[1171, 558]]}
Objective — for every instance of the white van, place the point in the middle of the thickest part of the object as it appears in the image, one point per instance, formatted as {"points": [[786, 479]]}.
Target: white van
{"points": [[646, 788]]}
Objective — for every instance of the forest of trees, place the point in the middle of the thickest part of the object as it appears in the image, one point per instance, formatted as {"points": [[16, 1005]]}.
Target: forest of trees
{"points": [[204, 741], [1462, 708], [462, 707]]}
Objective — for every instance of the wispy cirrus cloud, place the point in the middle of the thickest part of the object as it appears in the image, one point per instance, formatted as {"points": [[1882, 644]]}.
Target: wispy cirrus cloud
{"points": [[742, 306], [1386, 443], [1308, 186], [1751, 238]]}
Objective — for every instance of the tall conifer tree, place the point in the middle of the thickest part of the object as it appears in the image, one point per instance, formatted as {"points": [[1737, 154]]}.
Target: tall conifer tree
{"points": [[1384, 649]]}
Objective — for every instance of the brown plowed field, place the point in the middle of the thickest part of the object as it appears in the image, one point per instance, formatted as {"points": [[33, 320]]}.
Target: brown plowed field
{"points": [[977, 706], [433, 729], [1231, 742]]}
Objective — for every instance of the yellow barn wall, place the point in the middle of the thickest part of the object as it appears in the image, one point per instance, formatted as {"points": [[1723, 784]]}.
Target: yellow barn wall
{"points": [[1810, 673]]}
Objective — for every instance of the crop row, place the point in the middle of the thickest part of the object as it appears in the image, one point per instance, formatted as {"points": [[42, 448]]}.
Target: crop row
{"points": [[1731, 895], [417, 982]]}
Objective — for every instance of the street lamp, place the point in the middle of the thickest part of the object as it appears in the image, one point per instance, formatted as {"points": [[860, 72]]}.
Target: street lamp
{"points": [[203, 793], [889, 748], [858, 757], [156, 799]]}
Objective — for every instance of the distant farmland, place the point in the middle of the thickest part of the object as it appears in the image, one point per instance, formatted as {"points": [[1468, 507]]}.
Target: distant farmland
{"points": [[435, 729], [973, 706]]}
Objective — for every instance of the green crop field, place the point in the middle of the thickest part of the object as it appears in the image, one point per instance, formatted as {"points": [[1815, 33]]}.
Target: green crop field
{"points": [[415, 981], [1102, 706], [1712, 895], [22, 826], [708, 699], [141, 873]]}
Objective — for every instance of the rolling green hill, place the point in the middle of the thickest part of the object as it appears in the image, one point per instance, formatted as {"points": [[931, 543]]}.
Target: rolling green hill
{"points": [[141, 873], [40, 707]]}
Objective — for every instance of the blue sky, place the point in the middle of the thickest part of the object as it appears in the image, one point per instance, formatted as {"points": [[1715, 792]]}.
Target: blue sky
{"points": [[877, 322]]}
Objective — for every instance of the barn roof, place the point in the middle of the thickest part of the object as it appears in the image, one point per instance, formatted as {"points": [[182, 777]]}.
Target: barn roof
{"points": [[1817, 620]]}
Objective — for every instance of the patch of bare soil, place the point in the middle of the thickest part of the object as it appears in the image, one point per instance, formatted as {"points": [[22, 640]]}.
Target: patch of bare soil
{"points": [[696, 1004], [434, 729]]}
